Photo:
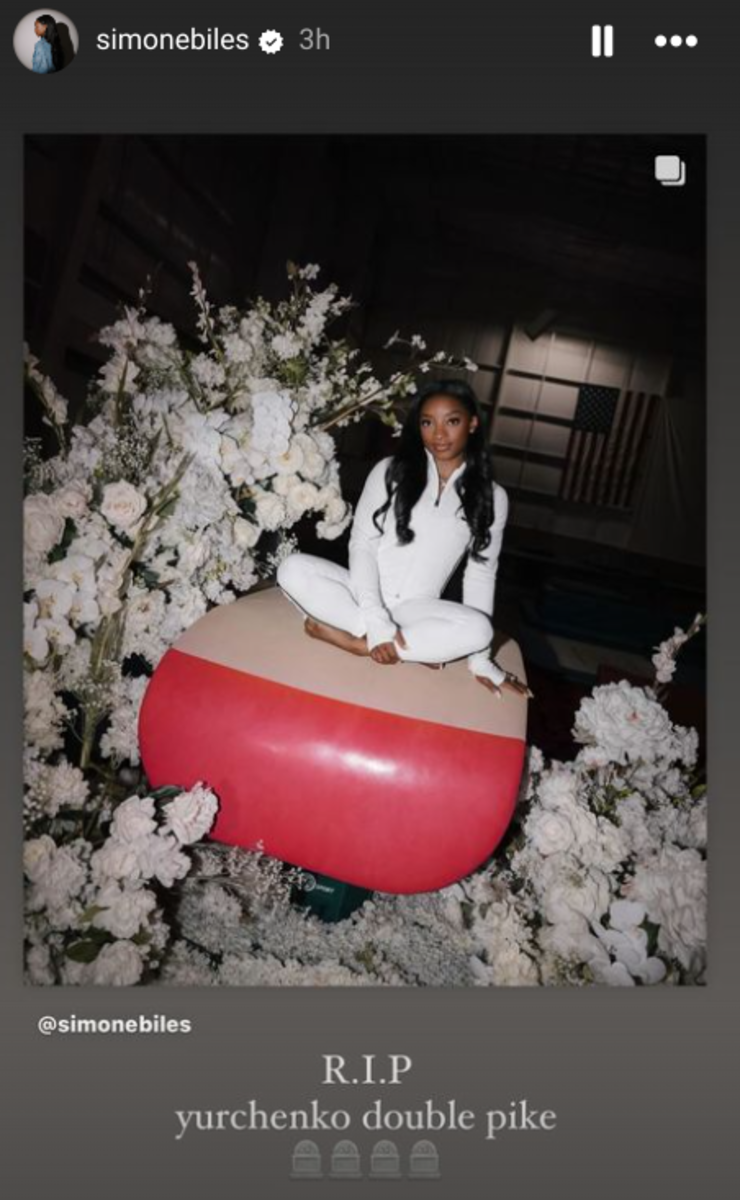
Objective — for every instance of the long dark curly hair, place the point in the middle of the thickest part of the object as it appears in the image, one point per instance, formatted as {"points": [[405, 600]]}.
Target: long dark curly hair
{"points": [[52, 37], [406, 476]]}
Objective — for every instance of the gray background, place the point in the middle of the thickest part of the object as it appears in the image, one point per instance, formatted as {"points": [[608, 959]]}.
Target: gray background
{"points": [[641, 1080]]}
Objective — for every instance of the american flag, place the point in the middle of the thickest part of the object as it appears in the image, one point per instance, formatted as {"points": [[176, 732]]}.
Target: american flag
{"points": [[609, 432]]}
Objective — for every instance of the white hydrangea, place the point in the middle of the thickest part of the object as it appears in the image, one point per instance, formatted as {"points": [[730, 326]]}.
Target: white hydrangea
{"points": [[62, 786], [45, 711], [200, 434], [119, 964], [271, 431], [57, 876]]}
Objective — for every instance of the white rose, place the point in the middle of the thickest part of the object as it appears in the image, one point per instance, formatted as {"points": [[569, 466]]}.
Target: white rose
{"points": [[549, 832], [282, 485], [586, 895], [190, 815], [35, 640], [270, 511], [695, 830], [627, 941], [56, 598], [116, 860], [124, 910], [605, 848], [570, 938], [622, 724], [291, 461], [333, 504], [557, 788], [246, 534], [43, 524], [72, 500], [329, 532], [314, 464], [123, 505], [134, 818], [634, 827], [37, 855], [235, 463], [614, 974], [38, 964], [584, 826], [160, 858], [302, 499], [672, 886]]}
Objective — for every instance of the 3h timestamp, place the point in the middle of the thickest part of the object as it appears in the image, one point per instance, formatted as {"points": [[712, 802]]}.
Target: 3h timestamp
{"points": [[314, 39]]}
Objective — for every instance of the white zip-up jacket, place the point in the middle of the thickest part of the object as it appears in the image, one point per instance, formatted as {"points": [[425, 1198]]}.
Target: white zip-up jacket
{"points": [[385, 573]]}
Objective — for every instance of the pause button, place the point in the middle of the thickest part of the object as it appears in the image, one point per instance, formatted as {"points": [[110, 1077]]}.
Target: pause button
{"points": [[602, 41]]}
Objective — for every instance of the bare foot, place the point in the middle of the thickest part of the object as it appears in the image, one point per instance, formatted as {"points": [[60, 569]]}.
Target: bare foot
{"points": [[336, 637], [509, 685]]}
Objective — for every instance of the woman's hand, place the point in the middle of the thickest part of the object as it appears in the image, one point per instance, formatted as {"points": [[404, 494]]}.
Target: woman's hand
{"points": [[510, 683], [386, 653]]}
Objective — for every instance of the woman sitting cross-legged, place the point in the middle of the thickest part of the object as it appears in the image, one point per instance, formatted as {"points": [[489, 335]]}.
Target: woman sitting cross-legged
{"points": [[420, 512]]}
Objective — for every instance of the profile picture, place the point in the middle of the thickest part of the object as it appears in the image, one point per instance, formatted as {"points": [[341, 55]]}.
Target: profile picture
{"points": [[46, 42]]}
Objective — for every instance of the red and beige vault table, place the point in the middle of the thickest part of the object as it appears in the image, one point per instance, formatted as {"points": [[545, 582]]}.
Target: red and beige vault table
{"points": [[393, 778]]}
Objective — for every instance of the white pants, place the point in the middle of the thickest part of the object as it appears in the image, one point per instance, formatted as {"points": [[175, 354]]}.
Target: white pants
{"points": [[435, 631]]}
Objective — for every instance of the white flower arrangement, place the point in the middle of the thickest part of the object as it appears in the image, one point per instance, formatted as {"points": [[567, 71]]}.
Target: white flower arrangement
{"points": [[176, 490], [179, 491]]}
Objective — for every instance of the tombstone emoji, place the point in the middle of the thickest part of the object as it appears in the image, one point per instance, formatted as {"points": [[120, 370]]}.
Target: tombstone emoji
{"points": [[306, 1161], [424, 1161], [385, 1161], [345, 1161]]}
